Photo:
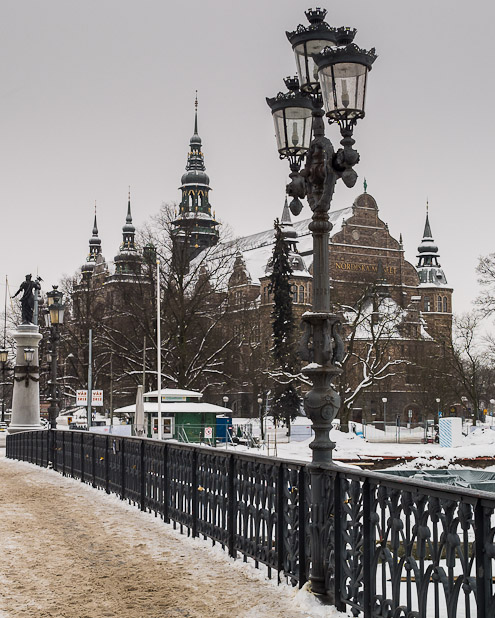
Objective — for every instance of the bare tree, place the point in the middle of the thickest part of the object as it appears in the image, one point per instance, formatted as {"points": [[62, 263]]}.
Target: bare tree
{"points": [[374, 327]]}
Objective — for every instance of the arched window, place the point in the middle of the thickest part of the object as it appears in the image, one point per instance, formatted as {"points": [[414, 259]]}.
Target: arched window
{"points": [[439, 303], [301, 293], [294, 293], [445, 308], [427, 304]]}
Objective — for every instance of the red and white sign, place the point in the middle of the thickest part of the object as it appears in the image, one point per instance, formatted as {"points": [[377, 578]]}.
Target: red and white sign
{"points": [[96, 398], [82, 398], [208, 432]]}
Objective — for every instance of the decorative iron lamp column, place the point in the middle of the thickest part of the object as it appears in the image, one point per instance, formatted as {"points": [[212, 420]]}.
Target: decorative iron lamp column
{"points": [[332, 73], [55, 316], [4, 355]]}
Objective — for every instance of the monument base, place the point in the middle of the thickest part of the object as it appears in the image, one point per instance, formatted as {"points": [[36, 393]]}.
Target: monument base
{"points": [[26, 395]]}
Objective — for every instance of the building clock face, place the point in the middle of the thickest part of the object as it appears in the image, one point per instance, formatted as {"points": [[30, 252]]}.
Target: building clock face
{"points": [[355, 234]]}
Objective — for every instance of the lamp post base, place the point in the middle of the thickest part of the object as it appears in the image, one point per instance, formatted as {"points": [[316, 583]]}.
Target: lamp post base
{"points": [[26, 395]]}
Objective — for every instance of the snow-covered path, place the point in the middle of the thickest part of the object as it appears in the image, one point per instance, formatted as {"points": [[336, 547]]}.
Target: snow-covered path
{"points": [[71, 551]]}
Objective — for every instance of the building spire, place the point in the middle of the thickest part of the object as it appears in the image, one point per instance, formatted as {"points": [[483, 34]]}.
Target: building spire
{"points": [[94, 242], [194, 224], [428, 267], [128, 218], [128, 230], [196, 114]]}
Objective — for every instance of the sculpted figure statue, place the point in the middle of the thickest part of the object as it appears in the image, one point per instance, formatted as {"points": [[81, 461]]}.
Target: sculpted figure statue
{"points": [[27, 288]]}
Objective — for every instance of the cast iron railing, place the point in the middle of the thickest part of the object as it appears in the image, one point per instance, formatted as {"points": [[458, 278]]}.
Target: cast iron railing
{"points": [[395, 547]]}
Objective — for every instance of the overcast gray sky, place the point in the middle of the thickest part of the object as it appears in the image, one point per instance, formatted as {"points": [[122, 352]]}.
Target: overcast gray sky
{"points": [[96, 96]]}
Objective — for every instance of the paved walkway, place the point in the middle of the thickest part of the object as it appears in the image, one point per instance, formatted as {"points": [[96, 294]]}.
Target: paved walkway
{"points": [[71, 551]]}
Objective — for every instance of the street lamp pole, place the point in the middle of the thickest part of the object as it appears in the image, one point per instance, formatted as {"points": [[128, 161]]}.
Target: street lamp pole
{"points": [[384, 400], [55, 317], [332, 77], [260, 413]]}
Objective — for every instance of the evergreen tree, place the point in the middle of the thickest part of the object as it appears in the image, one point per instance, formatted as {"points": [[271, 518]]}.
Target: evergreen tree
{"points": [[286, 401]]}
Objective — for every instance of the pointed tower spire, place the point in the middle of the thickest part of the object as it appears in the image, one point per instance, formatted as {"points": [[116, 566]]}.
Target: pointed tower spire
{"points": [[289, 233], [196, 114], [128, 261], [195, 224], [94, 242], [128, 218], [428, 267]]}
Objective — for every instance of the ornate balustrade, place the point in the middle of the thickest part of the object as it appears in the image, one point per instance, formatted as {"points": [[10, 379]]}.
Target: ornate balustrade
{"points": [[394, 547]]}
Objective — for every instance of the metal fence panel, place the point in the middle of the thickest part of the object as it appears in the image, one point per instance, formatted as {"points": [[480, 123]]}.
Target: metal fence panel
{"points": [[391, 546]]}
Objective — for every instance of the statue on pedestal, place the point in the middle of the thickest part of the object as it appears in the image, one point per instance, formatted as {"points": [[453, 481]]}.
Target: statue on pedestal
{"points": [[28, 288]]}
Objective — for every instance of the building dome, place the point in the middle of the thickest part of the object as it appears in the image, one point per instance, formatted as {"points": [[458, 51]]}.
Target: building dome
{"points": [[195, 177]]}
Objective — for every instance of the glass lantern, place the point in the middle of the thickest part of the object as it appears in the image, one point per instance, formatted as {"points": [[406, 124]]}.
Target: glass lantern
{"points": [[343, 74], [4, 355], [29, 355], [56, 312], [293, 120], [54, 296], [307, 42]]}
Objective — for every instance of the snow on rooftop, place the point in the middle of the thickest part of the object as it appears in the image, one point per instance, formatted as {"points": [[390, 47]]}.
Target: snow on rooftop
{"points": [[176, 407], [169, 393]]}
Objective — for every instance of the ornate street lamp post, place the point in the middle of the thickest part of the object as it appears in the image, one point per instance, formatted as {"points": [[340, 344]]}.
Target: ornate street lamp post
{"points": [[332, 80], [4, 355], [55, 317]]}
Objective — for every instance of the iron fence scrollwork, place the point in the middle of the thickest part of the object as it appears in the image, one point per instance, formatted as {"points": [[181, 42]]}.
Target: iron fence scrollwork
{"points": [[397, 548]]}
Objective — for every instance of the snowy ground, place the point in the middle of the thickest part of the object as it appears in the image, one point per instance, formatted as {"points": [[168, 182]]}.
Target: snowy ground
{"points": [[71, 551], [349, 446]]}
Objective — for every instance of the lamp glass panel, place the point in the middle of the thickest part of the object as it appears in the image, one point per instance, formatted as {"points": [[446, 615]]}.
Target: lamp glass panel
{"points": [[28, 355], [306, 66], [343, 88], [54, 314], [293, 129], [4, 354]]}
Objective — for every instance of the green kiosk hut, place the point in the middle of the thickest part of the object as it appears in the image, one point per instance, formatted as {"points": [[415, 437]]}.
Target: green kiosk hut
{"points": [[184, 416]]}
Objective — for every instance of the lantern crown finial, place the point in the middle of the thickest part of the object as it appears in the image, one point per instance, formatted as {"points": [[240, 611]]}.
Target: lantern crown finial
{"points": [[292, 83], [316, 16]]}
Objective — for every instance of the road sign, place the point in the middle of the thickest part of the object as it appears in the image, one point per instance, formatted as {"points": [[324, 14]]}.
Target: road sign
{"points": [[208, 432], [82, 398], [97, 398]]}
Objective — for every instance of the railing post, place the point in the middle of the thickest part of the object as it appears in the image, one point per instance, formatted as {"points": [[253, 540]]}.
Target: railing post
{"points": [[72, 454], [194, 495], [122, 469], [93, 460], [53, 449], [107, 465], [368, 590], [142, 480], [166, 485], [82, 457], [337, 539], [63, 454], [231, 505], [483, 562], [303, 515], [280, 520], [319, 527]]}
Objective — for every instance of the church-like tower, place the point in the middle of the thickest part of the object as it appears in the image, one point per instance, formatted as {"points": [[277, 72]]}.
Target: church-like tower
{"points": [[128, 261], [87, 269], [195, 226], [436, 296]]}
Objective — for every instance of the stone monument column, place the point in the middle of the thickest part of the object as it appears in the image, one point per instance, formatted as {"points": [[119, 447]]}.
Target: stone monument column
{"points": [[26, 396]]}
